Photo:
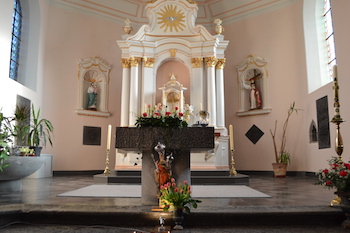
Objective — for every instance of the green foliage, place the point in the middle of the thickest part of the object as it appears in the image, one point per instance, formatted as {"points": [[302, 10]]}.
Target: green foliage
{"points": [[5, 138], [40, 130], [284, 157]]}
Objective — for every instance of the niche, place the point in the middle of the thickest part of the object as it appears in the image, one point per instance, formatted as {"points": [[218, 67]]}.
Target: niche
{"points": [[253, 94], [93, 76]]}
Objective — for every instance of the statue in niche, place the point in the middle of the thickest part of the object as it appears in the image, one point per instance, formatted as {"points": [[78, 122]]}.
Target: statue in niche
{"points": [[92, 94], [162, 173], [254, 95]]}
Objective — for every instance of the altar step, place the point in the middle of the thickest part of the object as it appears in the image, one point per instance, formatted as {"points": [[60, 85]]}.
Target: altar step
{"points": [[198, 177]]}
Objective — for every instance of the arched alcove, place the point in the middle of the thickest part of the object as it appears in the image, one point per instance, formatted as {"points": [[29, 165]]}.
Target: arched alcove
{"points": [[182, 76]]}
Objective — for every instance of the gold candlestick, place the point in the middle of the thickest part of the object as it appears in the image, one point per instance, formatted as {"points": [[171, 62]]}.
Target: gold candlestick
{"points": [[107, 171], [233, 170]]}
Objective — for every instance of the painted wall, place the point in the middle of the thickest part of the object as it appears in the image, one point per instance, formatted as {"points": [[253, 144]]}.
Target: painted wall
{"points": [[67, 36]]}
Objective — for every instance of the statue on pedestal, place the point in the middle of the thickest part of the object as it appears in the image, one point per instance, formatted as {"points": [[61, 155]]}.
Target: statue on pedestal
{"points": [[92, 101]]}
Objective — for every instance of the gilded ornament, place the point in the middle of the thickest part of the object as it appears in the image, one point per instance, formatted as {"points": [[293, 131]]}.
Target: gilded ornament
{"points": [[220, 63], [148, 62], [171, 18], [134, 61], [173, 52], [210, 61], [197, 62], [125, 63]]}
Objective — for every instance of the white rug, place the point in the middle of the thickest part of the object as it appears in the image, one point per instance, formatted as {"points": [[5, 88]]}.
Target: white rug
{"points": [[198, 191]]}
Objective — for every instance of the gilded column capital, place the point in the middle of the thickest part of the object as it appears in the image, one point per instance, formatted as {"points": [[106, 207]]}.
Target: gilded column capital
{"points": [[220, 64], [210, 61], [197, 62], [125, 62], [134, 61], [148, 62]]}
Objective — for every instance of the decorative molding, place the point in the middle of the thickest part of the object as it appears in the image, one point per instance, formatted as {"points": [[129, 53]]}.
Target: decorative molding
{"points": [[197, 62], [148, 62], [125, 63], [220, 64], [173, 52], [134, 61], [210, 61]]}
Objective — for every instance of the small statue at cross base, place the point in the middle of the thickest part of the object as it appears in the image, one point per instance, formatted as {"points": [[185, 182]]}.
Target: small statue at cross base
{"points": [[162, 173]]}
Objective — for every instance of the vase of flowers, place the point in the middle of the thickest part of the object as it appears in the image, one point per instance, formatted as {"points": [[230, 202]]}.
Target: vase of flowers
{"points": [[177, 198], [159, 116], [337, 176]]}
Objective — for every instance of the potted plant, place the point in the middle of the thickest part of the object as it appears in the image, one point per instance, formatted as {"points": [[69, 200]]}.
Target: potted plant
{"points": [[21, 126], [282, 157], [177, 198], [40, 131], [4, 140]]}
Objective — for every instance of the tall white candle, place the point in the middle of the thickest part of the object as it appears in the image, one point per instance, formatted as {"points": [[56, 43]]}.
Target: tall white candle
{"points": [[200, 107], [231, 137], [336, 92], [109, 137]]}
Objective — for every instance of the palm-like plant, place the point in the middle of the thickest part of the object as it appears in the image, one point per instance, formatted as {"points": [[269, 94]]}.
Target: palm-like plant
{"points": [[40, 130], [4, 140]]}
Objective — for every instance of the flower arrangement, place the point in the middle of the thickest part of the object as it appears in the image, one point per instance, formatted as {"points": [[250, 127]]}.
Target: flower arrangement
{"points": [[174, 197], [336, 176], [158, 116]]}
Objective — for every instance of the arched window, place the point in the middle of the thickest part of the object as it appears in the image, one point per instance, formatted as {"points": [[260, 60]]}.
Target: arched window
{"points": [[328, 23], [319, 43], [16, 39]]}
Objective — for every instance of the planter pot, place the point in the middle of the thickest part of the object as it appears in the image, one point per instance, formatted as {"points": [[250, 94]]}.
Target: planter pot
{"points": [[178, 219], [279, 169], [37, 150]]}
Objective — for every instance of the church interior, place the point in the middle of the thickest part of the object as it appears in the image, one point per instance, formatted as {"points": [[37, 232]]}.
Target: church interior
{"points": [[92, 67]]}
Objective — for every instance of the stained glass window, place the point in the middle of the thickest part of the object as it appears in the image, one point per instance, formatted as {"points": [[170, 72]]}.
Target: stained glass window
{"points": [[16, 39], [327, 16]]}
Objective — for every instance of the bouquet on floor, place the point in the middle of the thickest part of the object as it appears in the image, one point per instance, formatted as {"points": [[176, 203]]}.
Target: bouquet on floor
{"points": [[173, 196], [336, 176]]}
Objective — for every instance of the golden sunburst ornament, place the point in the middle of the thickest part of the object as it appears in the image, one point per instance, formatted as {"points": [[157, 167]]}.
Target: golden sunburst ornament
{"points": [[171, 18]]}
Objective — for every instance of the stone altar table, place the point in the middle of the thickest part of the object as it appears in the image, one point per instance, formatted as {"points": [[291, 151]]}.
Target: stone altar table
{"points": [[181, 140]]}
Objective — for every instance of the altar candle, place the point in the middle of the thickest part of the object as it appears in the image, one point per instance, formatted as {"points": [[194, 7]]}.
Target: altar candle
{"points": [[231, 137], [336, 91], [109, 137], [200, 107]]}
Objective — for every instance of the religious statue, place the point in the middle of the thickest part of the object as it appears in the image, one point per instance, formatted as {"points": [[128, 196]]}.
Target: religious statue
{"points": [[92, 100], [254, 96], [162, 173]]}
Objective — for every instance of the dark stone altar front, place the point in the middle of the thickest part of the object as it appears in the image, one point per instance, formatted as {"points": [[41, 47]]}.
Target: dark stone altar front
{"points": [[183, 141]]}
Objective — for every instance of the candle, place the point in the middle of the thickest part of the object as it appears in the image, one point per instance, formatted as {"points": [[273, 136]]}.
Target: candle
{"points": [[200, 107], [231, 137], [109, 137], [336, 92]]}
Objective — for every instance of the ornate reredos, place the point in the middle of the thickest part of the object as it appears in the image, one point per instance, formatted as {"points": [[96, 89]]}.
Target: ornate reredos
{"points": [[172, 17]]}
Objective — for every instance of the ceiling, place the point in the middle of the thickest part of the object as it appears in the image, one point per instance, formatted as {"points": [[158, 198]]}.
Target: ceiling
{"points": [[227, 10]]}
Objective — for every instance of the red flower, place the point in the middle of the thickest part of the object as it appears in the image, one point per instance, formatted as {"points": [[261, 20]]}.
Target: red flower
{"points": [[334, 166], [144, 114], [347, 165], [157, 114], [328, 182], [173, 185], [181, 114], [176, 108], [168, 113], [176, 189], [325, 171], [172, 180], [149, 106], [185, 181], [343, 173]]}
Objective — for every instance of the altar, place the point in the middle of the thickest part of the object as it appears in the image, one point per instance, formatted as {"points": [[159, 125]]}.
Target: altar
{"points": [[181, 140]]}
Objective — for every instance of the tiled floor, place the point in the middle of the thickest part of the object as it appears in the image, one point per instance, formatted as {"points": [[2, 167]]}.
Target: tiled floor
{"points": [[289, 194], [285, 192]]}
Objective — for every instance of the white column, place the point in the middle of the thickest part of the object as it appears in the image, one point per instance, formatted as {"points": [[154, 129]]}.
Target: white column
{"points": [[148, 82], [134, 91], [197, 84], [124, 108], [211, 89], [220, 93]]}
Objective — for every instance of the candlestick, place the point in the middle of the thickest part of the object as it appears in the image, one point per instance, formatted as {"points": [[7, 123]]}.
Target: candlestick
{"points": [[231, 137], [109, 137]]}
